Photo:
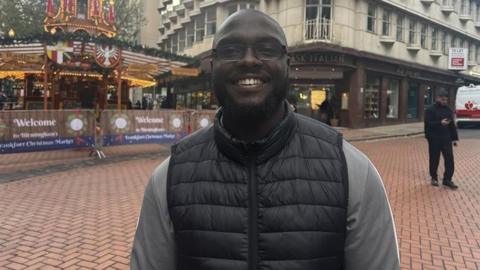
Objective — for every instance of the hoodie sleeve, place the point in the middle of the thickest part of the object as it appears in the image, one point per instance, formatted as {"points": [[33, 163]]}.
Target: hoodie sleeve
{"points": [[154, 245]]}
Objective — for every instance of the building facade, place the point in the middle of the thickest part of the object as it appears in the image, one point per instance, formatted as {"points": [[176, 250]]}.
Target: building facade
{"points": [[375, 62]]}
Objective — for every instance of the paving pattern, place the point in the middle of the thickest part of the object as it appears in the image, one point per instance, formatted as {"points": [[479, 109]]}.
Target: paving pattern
{"points": [[85, 218]]}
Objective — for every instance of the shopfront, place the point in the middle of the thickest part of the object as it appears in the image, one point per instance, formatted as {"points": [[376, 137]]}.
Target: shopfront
{"points": [[363, 91]]}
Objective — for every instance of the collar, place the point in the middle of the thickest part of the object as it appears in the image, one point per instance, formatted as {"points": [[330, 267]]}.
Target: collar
{"points": [[255, 152]]}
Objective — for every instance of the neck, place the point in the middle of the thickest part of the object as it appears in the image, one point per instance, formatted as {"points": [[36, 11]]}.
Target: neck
{"points": [[251, 130]]}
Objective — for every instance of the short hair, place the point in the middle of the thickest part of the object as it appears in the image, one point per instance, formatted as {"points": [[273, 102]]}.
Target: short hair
{"points": [[442, 93]]}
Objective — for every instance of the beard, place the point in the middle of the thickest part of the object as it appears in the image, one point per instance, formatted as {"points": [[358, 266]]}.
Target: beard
{"points": [[251, 112]]}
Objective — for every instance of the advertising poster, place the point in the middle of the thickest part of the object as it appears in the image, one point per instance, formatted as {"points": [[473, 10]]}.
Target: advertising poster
{"points": [[143, 127], [27, 131], [457, 58]]}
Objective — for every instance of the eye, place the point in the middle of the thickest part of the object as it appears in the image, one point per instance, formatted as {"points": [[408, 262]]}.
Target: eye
{"points": [[268, 50], [229, 51]]}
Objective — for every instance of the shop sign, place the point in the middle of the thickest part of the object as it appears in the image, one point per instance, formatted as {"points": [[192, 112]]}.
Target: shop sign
{"points": [[318, 58], [26, 131], [457, 58], [187, 72]]}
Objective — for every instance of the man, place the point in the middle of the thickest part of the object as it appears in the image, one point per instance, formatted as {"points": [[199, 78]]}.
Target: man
{"points": [[3, 100], [441, 133], [264, 188]]}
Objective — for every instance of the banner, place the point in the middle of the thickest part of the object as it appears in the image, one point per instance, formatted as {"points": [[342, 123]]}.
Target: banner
{"points": [[143, 126], [201, 119], [26, 131]]}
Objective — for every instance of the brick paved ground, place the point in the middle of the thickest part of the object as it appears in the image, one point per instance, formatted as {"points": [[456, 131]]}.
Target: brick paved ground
{"points": [[85, 218], [438, 228]]}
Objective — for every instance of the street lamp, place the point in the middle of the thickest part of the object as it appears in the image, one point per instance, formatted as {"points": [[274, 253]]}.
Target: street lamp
{"points": [[11, 33]]}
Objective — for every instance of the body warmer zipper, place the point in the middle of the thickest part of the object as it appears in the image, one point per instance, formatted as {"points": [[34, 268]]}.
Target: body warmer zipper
{"points": [[252, 219]]}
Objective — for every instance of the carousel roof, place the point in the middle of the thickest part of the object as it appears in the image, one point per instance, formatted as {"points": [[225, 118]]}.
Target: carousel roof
{"points": [[136, 66]]}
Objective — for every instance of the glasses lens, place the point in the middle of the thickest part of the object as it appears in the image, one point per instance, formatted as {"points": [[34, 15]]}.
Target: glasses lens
{"points": [[230, 52], [268, 51]]}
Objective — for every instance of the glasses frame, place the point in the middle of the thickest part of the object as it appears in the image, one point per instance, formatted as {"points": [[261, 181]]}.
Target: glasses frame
{"points": [[284, 52]]}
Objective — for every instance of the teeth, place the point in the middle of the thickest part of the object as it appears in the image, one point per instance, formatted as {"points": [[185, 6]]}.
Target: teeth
{"points": [[249, 81]]}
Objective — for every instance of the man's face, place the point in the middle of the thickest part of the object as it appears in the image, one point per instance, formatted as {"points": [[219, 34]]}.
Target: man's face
{"points": [[250, 67], [442, 101]]}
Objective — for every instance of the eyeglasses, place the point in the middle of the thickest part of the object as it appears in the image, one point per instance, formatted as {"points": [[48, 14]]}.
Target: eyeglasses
{"points": [[262, 51]]}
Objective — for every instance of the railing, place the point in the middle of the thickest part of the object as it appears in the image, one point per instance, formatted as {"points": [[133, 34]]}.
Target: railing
{"points": [[318, 29]]}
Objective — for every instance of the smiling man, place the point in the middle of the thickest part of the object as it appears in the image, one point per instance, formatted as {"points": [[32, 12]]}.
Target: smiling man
{"points": [[263, 188]]}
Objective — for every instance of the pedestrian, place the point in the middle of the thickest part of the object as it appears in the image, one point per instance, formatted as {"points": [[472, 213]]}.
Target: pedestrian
{"points": [[3, 100], [441, 134], [263, 188]]}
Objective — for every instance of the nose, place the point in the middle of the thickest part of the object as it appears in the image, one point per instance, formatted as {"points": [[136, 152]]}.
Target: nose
{"points": [[249, 58]]}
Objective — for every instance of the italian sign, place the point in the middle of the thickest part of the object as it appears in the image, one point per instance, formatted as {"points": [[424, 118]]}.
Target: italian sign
{"points": [[457, 58], [143, 126], [26, 131]]}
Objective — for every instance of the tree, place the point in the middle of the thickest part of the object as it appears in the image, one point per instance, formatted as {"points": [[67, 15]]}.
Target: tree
{"points": [[26, 17], [129, 19]]}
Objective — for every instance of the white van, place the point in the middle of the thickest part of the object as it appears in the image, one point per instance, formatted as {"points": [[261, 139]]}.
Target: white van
{"points": [[467, 105]]}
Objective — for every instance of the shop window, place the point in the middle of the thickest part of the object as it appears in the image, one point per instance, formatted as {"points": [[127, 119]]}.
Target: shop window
{"points": [[199, 28], [211, 22], [393, 93], [371, 97], [412, 107], [386, 22], [371, 18], [412, 32], [423, 36], [400, 28], [429, 97]]}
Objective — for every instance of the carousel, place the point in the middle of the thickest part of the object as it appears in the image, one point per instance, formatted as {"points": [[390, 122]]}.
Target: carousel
{"points": [[78, 63]]}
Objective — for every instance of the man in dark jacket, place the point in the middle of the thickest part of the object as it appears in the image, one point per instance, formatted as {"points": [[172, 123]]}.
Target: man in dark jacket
{"points": [[263, 188], [441, 134]]}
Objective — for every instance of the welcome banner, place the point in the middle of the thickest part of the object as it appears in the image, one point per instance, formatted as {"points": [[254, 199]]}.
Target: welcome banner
{"points": [[26, 131], [143, 126]]}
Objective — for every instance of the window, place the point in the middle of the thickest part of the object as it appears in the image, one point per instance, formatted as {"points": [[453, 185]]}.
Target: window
{"points": [[190, 32], [393, 93], [211, 22], [168, 45], [443, 36], [386, 23], [477, 54], [371, 97], [471, 53], [456, 5], [400, 28], [446, 3], [199, 28], [174, 44], [477, 13], [81, 9], [318, 10], [464, 7], [434, 39], [371, 18], [181, 41], [231, 9], [239, 6], [318, 19], [423, 36], [412, 32]]}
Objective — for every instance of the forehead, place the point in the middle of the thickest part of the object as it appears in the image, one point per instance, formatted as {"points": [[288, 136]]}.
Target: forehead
{"points": [[250, 31]]}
